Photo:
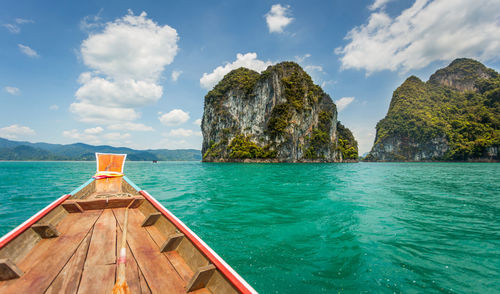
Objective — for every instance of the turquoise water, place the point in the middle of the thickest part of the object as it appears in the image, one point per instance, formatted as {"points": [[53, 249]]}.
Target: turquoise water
{"points": [[313, 228]]}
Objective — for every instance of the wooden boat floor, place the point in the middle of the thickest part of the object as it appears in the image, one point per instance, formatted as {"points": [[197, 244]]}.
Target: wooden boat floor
{"points": [[83, 258]]}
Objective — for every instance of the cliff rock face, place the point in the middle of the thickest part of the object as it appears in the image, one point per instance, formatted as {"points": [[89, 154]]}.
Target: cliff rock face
{"points": [[453, 116], [276, 116]]}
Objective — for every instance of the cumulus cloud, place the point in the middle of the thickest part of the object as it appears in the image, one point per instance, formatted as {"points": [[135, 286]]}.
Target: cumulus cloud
{"points": [[378, 4], [54, 107], [126, 57], [343, 102], [249, 60], [93, 131], [174, 117], [96, 136], [176, 74], [278, 18], [129, 126], [12, 90], [183, 133], [197, 122], [16, 131], [427, 31], [27, 50]]}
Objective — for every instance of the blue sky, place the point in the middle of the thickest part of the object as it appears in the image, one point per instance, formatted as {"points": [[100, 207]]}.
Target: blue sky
{"points": [[135, 73]]}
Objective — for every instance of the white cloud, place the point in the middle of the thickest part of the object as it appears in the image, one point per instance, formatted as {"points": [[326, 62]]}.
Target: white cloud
{"points": [[129, 126], [343, 102], [15, 28], [127, 57], [314, 68], [278, 18], [174, 117], [12, 28], [12, 90], [91, 113], [15, 131], [427, 31], [93, 131], [91, 23], [23, 21], [197, 122], [54, 107], [248, 60], [378, 4], [176, 74], [299, 59], [27, 50], [96, 136], [183, 133]]}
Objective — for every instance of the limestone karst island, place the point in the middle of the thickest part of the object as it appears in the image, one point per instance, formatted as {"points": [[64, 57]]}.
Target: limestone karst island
{"points": [[279, 115], [454, 116]]}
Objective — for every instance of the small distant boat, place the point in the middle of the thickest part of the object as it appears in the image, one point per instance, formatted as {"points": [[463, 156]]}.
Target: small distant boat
{"points": [[74, 244], [155, 161]]}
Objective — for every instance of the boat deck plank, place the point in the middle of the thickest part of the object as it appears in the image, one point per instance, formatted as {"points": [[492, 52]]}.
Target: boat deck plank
{"points": [[44, 262], [160, 275], [175, 259], [68, 279], [99, 270]]}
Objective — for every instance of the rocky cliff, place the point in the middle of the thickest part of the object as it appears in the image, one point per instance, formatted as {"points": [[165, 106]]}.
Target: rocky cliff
{"points": [[279, 115], [454, 116]]}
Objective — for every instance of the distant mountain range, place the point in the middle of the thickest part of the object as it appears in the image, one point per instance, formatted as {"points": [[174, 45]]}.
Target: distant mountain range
{"points": [[16, 150]]}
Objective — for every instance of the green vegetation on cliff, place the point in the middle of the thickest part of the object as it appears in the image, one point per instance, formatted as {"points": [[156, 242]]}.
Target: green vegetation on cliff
{"points": [[468, 120], [279, 114], [347, 143]]}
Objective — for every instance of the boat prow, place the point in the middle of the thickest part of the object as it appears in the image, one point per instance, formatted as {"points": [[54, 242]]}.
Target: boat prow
{"points": [[73, 244]]}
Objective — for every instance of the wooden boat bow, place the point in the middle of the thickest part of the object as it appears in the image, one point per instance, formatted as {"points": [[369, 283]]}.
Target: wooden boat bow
{"points": [[71, 245]]}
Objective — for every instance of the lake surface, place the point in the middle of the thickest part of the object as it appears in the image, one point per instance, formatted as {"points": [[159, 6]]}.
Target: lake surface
{"points": [[313, 228]]}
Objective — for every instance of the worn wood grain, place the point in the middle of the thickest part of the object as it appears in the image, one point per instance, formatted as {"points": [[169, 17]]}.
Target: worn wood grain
{"points": [[159, 273], [151, 219], [38, 272], [103, 203], [175, 259], [144, 285], [68, 279], [108, 185], [9, 270], [99, 270], [201, 278]]}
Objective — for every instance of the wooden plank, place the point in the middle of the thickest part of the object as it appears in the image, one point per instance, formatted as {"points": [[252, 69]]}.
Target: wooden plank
{"points": [[144, 285], [159, 273], [38, 272], [172, 242], [131, 268], [193, 257], [201, 278], [9, 270], [202, 291], [220, 284], [99, 270], [180, 265], [72, 206], [68, 279], [151, 219], [107, 203], [45, 230], [175, 259]]}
